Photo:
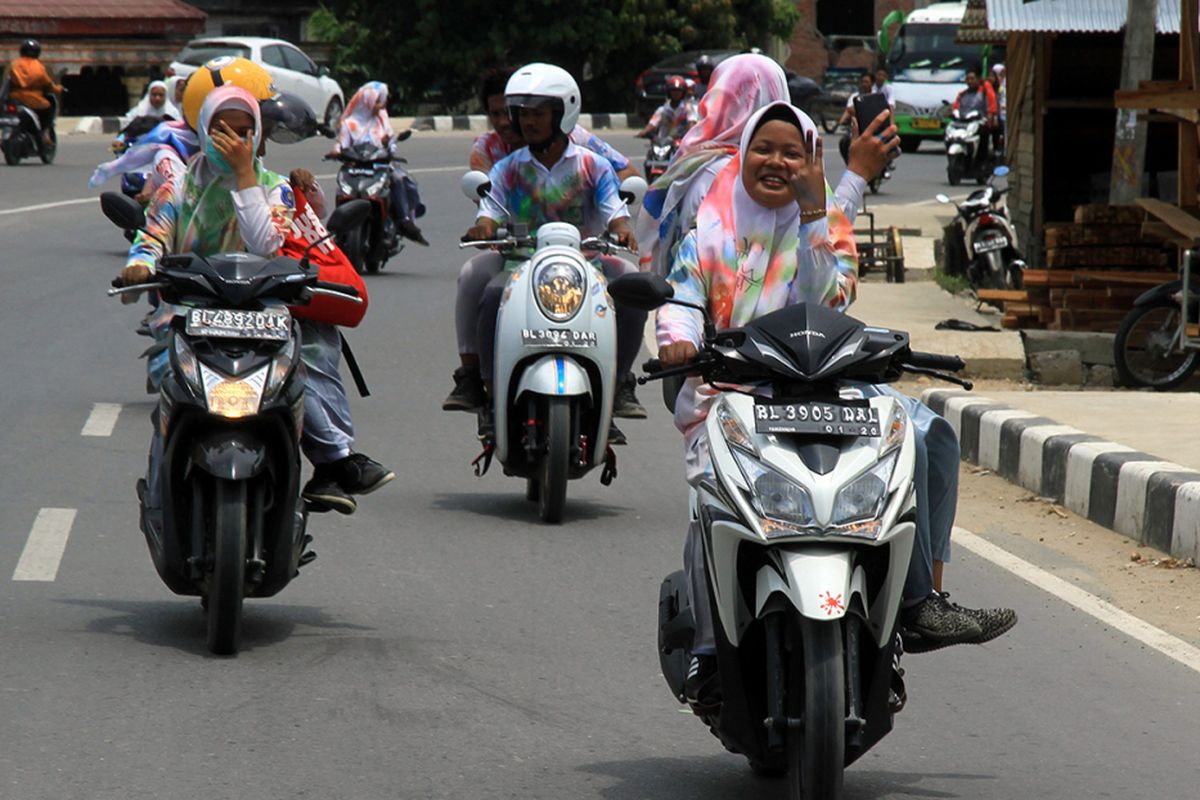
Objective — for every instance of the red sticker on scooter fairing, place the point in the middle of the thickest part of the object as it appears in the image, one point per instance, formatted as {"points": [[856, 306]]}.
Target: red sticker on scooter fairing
{"points": [[831, 603]]}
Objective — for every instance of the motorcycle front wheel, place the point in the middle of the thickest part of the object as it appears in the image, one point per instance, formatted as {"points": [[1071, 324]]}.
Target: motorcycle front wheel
{"points": [[1146, 351], [816, 750], [552, 478], [10, 152], [48, 151], [353, 247], [227, 582]]}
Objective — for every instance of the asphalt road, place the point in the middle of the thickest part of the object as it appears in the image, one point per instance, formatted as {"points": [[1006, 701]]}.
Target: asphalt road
{"points": [[445, 645]]}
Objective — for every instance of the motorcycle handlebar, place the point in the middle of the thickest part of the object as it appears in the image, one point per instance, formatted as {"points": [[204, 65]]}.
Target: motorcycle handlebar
{"points": [[935, 361], [341, 288], [652, 366]]}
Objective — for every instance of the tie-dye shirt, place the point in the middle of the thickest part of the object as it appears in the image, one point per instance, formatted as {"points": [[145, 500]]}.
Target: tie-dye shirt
{"points": [[581, 188], [490, 148], [675, 121]]}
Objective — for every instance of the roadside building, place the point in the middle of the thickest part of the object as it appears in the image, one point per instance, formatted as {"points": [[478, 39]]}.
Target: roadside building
{"points": [[104, 51], [269, 18], [840, 33]]}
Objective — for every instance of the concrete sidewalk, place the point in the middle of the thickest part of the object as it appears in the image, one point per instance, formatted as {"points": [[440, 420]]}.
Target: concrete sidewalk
{"points": [[1124, 460]]}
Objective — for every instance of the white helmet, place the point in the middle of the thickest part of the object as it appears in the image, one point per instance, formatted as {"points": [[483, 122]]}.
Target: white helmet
{"points": [[534, 84]]}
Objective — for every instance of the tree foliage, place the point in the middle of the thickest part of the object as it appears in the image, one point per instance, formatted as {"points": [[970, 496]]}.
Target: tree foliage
{"points": [[434, 50]]}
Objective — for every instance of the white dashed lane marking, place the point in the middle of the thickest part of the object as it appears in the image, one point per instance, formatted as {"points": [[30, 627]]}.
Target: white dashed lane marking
{"points": [[44, 548], [102, 420]]}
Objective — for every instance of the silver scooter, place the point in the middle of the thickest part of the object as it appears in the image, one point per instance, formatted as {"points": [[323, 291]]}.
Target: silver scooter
{"points": [[807, 521], [556, 357]]}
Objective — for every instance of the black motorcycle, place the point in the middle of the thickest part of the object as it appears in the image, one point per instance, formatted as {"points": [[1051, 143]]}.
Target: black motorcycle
{"points": [[981, 241], [232, 524], [658, 156], [21, 134], [366, 174]]}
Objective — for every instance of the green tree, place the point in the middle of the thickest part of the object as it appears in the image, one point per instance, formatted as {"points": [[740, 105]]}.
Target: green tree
{"points": [[433, 51]]}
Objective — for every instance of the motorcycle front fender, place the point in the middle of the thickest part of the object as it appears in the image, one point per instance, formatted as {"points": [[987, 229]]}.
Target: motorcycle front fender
{"points": [[556, 375], [231, 456], [954, 149], [818, 582], [1158, 292]]}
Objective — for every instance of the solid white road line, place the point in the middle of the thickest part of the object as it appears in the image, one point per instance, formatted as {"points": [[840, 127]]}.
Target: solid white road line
{"points": [[44, 548], [1106, 612], [102, 420], [44, 206]]}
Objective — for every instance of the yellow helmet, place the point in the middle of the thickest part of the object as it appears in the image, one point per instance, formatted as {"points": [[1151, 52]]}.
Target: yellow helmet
{"points": [[222, 71]]}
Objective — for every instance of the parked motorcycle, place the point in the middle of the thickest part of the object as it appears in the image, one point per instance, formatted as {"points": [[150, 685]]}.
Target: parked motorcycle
{"points": [[985, 239], [808, 524], [21, 133], [366, 174], [232, 524], [658, 156], [1158, 343], [556, 357], [967, 154]]}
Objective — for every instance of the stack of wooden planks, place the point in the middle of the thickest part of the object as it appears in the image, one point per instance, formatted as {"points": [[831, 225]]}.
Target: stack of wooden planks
{"points": [[1096, 267]]}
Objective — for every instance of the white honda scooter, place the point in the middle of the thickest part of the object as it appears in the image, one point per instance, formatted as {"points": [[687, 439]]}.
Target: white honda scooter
{"points": [[807, 524], [556, 357]]}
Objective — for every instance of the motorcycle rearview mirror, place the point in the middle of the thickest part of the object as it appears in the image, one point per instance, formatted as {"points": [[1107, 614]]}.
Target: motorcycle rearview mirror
{"points": [[124, 212], [632, 190], [644, 291], [475, 185], [1000, 171], [942, 198]]}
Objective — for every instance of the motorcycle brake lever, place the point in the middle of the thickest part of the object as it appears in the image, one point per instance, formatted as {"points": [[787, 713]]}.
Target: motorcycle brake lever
{"points": [[941, 376]]}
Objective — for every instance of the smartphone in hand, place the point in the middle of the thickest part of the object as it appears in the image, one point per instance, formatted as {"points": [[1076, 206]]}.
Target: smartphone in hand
{"points": [[867, 107]]}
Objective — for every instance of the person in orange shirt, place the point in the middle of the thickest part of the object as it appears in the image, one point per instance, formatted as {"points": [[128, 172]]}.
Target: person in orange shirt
{"points": [[29, 82]]}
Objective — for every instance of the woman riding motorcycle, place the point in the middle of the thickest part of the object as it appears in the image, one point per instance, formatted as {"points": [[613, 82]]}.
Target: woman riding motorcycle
{"points": [[365, 120], [767, 236]]}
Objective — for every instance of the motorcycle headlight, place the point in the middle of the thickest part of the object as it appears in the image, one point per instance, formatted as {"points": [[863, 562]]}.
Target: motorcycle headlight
{"points": [[281, 367], [559, 287], [784, 506], [377, 185], [344, 185], [860, 502], [972, 128], [233, 398], [906, 109], [733, 430], [186, 364]]}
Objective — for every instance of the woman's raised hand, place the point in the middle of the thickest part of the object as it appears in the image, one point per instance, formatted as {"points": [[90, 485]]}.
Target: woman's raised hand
{"points": [[808, 182]]}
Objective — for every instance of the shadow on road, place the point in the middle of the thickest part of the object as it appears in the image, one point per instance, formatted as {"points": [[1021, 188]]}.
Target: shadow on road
{"points": [[514, 507], [723, 777], [181, 625]]}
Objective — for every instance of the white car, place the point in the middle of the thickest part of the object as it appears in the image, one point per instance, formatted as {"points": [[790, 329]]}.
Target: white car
{"points": [[291, 69]]}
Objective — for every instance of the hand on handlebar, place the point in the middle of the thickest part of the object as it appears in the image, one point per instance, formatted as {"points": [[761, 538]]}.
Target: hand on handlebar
{"points": [[677, 354], [135, 274], [483, 230], [622, 234]]}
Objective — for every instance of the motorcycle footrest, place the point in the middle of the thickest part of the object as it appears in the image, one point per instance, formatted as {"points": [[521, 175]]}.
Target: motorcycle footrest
{"points": [[783, 723]]}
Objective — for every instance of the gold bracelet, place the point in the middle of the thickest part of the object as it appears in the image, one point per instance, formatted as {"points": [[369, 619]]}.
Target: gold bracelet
{"points": [[811, 216]]}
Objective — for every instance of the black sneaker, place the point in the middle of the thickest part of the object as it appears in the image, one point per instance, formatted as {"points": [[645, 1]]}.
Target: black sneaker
{"points": [[702, 687], [625, 402], [616, 435], [468, 393], [935, 623], [487, 423], [994, 621], [323, 493], [411, 231], [358, 474]]}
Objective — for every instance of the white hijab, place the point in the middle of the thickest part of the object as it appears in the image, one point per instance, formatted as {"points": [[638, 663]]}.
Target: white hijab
{"points": [[143, 108]]}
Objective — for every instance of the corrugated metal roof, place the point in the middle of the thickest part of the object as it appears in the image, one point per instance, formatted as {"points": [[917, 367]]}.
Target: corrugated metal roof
{"points": [[98, 9], [1092, 16]]}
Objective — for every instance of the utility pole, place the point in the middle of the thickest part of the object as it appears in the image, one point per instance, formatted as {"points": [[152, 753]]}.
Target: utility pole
{"points": [[1137, 61]]}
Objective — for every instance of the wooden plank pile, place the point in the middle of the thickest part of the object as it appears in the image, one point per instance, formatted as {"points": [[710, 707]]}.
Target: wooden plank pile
{"points": [[1096, 267]]}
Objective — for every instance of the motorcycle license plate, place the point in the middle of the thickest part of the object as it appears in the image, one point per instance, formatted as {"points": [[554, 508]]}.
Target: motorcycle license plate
{"points": [[361, 171], [988, 245], [845, 418], [223, 323], [550, 337], [921, 123]]}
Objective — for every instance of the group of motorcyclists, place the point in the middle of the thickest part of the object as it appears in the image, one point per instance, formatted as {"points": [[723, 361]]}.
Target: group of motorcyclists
{"points": [[741, 224]]}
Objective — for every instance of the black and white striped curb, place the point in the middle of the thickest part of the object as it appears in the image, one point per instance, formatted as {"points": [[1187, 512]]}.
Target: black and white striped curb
{"points": [[479, 122], [1153, 501]]}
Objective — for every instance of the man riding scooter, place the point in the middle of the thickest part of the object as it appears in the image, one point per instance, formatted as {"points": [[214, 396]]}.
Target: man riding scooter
{"points": [[674, 117]]}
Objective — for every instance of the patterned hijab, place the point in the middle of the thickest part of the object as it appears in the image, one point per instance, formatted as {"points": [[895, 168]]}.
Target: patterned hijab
{"points": [[207, 221], [361, 122], [739, 86], [748, 252]]}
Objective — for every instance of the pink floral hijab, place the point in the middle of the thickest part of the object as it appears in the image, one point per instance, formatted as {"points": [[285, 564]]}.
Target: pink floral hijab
{"points": [[361, 122]]}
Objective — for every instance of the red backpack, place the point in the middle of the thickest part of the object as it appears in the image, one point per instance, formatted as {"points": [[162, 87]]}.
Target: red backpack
{"points": [[332, 266]]}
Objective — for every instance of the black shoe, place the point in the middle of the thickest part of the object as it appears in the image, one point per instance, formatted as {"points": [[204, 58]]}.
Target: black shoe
{"points": [[468, 393], [625, 402], [487, 423], [702, 688], [411, 231], [615, 435], [358, 474], [935, 623], [994, 622], [323, 493]]}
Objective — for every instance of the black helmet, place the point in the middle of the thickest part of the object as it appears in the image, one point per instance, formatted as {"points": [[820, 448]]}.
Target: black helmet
{"points": [[287, 119], [31, 48]]}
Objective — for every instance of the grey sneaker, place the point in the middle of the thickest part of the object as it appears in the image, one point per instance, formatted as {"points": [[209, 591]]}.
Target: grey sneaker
{"points": [[935, 623], [994, 622]]}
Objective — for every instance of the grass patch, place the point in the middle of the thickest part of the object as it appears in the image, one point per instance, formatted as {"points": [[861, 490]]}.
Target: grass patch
{"points": [[951, 283]]}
